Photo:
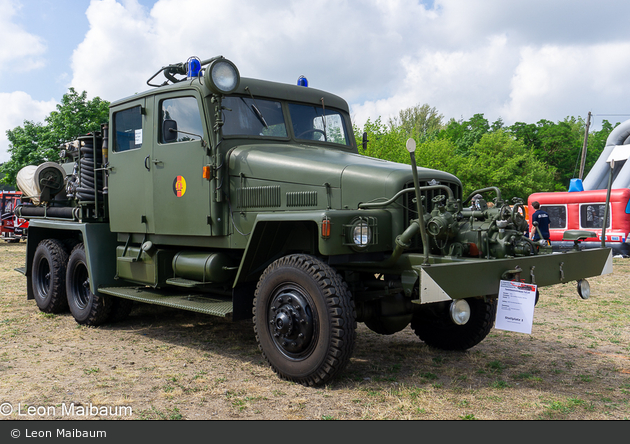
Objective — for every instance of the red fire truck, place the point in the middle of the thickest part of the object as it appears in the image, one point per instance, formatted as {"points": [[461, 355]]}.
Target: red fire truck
{"points": [[13, 228]]}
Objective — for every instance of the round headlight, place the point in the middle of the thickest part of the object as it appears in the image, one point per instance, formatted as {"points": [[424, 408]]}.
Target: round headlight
{"points": [[222, 77], [361, 234], [584, 288], [460, 311]]}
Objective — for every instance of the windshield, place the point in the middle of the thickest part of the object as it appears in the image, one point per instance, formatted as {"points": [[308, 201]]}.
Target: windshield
{"points": [[247, 117], [310, 123]]}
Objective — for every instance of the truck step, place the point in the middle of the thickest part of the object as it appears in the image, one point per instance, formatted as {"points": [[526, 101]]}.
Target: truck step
{"points": [[187, 283], [217, 306]]}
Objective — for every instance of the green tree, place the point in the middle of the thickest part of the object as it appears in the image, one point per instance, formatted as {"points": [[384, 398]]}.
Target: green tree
{"points": [[595, 146], [465, 133], [498, 159], [35, 142], [527, 133], [419, 122], [388, 142], [560, 145], [439, 155], [24, 143], [384, 142]]}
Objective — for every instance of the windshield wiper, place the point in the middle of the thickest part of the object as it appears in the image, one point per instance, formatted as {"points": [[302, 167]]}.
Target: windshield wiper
{"points": [[324, 116], [260, 116], [255, 109]]}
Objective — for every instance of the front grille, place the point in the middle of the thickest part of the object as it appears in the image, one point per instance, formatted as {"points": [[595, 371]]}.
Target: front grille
{"points": [[410, 212]]}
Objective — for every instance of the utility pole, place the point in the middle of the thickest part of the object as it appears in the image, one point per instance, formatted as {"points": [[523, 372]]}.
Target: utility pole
{"points": [[588, 123]]}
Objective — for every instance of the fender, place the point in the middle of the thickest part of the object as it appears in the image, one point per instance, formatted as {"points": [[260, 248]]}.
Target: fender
{"points": [[99, 244], [276, 234]]}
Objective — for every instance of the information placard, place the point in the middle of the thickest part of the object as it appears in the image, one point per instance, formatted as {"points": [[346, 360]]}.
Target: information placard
{"points": [[515, 309]]}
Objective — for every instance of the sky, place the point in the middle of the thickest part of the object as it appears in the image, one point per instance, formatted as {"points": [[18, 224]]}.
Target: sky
{"points": [[520, 61]]}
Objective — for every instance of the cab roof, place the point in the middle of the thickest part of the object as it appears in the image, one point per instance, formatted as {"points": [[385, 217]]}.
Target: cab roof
{"points": [[258, 88]]}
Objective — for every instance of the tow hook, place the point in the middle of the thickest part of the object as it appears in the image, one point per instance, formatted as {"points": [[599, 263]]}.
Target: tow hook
{"points": [[512, 275]]}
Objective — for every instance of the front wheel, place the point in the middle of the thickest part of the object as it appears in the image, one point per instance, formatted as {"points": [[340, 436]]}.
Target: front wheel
{"points": [[304, 319], [434, 325], [86, 307]]}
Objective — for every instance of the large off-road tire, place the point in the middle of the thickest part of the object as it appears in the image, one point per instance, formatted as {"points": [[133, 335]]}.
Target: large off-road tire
{"points": [[70, 243], [48, 276], [86, 307], [304, 319], [436, 328]]}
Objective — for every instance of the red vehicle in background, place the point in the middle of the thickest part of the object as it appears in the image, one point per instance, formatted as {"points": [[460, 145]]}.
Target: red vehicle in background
{"points": [[13, 228], [583, 206], [584, 210]]}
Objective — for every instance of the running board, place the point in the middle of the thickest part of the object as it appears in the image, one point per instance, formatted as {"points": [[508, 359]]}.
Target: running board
{"points": [[187, 283], [217, 306]]}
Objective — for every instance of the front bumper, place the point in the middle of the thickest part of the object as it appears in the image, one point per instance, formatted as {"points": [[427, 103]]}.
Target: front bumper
{"points": [[445, 279]]}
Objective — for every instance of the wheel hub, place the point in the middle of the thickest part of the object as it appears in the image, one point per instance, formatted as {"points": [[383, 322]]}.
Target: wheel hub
{"points": [[43, 278], [283, 322], [291, 322]]}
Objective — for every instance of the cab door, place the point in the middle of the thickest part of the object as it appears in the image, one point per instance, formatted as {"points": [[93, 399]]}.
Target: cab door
{"points": [[181, 196], [129, 182]]}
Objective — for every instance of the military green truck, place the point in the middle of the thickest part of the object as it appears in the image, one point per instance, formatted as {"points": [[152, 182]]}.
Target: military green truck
{"points": [[249, 199]]}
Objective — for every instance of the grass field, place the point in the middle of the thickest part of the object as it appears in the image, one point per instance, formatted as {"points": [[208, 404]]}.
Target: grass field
{"points": [[166, 364]]}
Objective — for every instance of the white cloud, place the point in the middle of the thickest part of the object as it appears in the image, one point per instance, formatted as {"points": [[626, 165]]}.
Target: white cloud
{"points": [[340, 47], [458, 83], [16, 107], [518, 60], [20, 51], [116, 50], [569, 80], [461, 56]]}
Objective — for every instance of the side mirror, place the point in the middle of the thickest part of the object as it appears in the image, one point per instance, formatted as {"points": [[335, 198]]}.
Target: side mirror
{"points": [[365, 141], [169, 131]]}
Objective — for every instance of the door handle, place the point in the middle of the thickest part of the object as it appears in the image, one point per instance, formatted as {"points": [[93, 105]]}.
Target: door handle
{"points": [[157, 162], [147, 165]]}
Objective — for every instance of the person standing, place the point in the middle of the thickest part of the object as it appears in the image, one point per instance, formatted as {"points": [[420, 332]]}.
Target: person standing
{"points": [[542, 217]]}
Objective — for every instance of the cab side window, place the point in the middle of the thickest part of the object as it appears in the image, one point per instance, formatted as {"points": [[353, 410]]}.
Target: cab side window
{"points": [[180, 120], [128, 129]]}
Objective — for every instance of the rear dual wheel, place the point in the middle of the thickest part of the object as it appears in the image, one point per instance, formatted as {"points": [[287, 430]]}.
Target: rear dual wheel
{"points": [[48, 276], [61, 281], [86, 307]]}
